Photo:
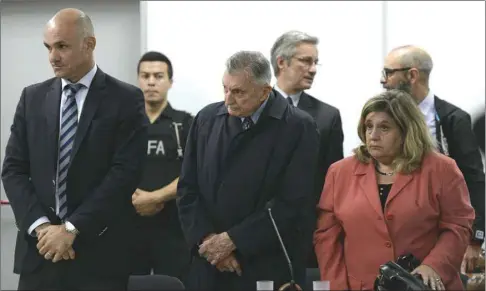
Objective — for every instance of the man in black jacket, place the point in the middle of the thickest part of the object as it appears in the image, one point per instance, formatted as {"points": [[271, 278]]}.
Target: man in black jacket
{"points": [[408, 68], [243, 156], [74, 157], [294, 58]]}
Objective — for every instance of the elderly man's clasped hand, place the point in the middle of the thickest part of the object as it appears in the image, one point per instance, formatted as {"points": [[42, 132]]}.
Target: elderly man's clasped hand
{"points": [[218, 249]]}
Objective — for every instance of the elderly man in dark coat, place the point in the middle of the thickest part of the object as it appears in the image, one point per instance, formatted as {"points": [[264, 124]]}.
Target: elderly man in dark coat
{"points": [[252, 152]]}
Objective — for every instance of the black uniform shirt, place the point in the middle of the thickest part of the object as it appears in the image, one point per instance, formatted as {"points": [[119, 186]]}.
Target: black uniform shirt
{"points": [[165, 146]]}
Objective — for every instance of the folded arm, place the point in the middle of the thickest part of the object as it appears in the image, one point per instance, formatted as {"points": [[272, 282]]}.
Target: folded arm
{"points": [[328, 239], [293, 199], [456, 218], [16, 173], [101, 209]]}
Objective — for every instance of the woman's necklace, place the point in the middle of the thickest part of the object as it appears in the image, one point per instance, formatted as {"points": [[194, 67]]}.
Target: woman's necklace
{"points": [[383, 173]]}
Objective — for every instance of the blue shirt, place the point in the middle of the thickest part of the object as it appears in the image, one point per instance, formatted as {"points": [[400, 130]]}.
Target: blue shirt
{"points": [[256, 115]]}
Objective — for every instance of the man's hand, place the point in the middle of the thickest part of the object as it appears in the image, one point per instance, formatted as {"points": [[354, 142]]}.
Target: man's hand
{"points": [[69, 254], [55, 243], [471, 258], [229, 264], [146, 203], [216, 248], [41, 227]]}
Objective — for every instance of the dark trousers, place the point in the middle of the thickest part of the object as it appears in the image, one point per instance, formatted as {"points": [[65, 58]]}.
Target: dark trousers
{"points": [[162, 250], [61, 276]]}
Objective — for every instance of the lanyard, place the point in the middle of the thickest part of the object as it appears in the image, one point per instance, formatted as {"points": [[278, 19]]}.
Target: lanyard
{"points": [[443, 145], [179, 148]]}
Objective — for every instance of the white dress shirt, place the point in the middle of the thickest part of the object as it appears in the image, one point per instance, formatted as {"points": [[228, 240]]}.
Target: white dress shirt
{"points": [[295, 97], [427, 106], [80, 98]]}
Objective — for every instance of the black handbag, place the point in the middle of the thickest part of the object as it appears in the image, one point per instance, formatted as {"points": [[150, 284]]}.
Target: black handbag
{"points": [[396, 276]]}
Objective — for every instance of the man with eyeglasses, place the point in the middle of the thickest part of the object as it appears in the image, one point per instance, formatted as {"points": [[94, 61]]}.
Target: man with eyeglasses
{"points": [[294, 59], [408, 68]]}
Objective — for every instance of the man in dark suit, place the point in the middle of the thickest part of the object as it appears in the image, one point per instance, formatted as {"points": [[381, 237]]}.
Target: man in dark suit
{"points": [[244, 155], [408, 68], [478, 128], [72, 162], [294, 58]]}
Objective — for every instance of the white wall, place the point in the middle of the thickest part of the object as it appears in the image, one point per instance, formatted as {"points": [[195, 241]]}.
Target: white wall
{"points": [[199, 36], [453, 33]]}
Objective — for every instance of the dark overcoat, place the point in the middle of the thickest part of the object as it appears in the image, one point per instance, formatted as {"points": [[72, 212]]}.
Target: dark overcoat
{"points": [[231, 177]]}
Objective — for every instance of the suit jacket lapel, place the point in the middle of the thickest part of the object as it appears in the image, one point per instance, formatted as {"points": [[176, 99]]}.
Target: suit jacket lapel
{"points": [[369, 185], [438, 107], [367, 181], [231, 140], [234, 126], [52, 110], [305, 102], [95, 94], [400, 182]]}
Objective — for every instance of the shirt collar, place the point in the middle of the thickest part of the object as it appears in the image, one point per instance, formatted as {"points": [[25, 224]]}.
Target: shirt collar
{"points": [[428, 103], [168, 112], [295, 97], [256, 115], [86, 80]]}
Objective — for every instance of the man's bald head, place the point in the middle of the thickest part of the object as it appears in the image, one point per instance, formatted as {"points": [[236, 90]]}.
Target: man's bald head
{"points": [[69, 37], [410, 56], [75, 18], [408, 68]]}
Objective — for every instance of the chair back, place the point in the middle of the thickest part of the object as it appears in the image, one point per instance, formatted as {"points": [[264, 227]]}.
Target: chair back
{"points": [[154, 282]]}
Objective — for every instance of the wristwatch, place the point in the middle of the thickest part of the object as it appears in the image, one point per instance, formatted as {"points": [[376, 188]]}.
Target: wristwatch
{"points": [[70, 228], [479, 235]]}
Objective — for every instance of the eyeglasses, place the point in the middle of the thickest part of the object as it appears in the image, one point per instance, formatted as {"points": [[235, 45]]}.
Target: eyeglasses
{"points": [[308, 61], [386, 72]]}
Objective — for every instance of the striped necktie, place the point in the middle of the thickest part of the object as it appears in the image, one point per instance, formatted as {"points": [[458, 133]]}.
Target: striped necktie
{"points": [[247, 123], [69, 124]]}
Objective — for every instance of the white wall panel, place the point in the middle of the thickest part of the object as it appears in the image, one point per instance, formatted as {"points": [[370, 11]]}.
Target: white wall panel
{"points": [[453, 32]]}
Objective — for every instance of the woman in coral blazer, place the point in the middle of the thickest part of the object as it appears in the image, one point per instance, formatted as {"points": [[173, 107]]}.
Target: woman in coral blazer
{"points": [[395, 196]]}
